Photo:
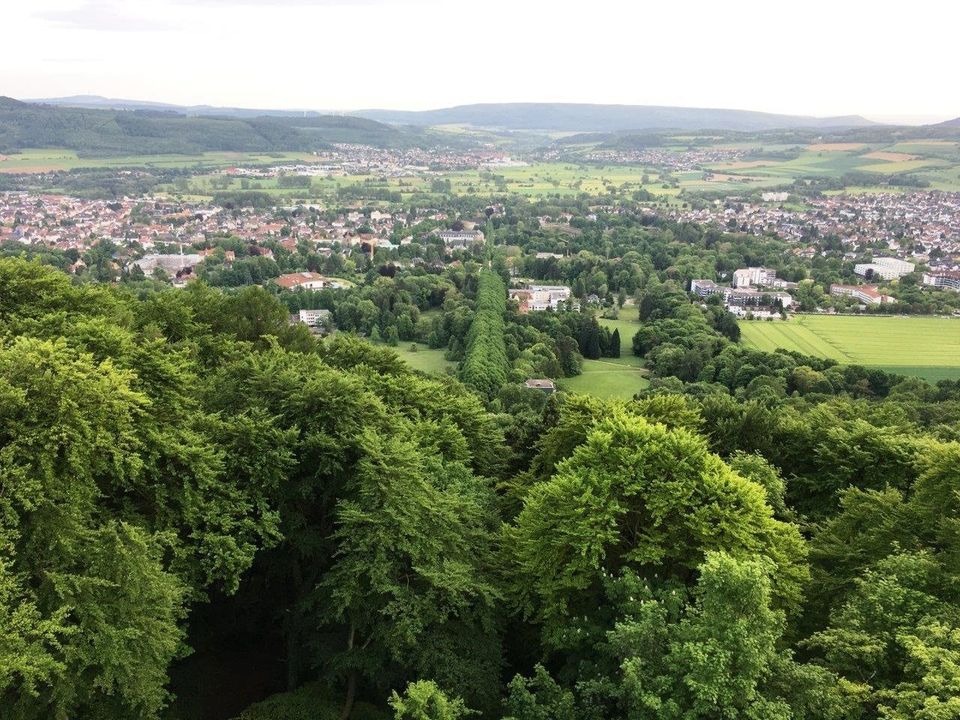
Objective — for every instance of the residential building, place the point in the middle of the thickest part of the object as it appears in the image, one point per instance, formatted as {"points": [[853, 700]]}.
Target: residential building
{"points": [[884, 267], [460, 238], [308, 281], [748, 277], [705, 288], [866, 294], [948, 279], [314, 318], [170, 263], [535, 298]]}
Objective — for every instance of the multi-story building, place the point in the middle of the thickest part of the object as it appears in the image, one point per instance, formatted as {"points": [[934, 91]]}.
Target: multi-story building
{"points": [[705, 288], [308, 281], [741, 296], [867, 294], [460, 238], [948, 279], [748, 277], [534, 298], [884, 267]]}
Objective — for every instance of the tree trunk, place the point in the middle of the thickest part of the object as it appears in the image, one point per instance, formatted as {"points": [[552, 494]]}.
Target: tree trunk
{"points": [[351, 680]]}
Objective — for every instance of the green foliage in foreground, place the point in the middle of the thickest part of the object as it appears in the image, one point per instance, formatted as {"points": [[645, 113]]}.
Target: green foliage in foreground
{"points": [[185, 471]]}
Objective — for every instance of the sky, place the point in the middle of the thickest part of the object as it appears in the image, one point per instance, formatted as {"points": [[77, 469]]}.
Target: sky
{"points": [[894, 62]]}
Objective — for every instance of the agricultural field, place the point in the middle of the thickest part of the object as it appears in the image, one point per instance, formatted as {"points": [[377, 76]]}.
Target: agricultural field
{"points": [[937, 162], [52, 160], [923, 346]]}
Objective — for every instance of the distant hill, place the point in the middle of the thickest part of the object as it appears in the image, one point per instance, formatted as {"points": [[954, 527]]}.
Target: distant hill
{"points": [[159, 130], [949, 123], [606, 118], [98, 102]]}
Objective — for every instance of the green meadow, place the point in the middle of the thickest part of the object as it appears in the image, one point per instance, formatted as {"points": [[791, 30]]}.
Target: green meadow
{"points": [[927, 347], [609, 377], [53, 159], [424, 359]]}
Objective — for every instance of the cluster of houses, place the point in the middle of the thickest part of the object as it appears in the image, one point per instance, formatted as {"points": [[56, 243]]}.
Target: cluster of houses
{"points": [[916, 227], [165, 235], [350, 159], [748, 292], [684, 161]]}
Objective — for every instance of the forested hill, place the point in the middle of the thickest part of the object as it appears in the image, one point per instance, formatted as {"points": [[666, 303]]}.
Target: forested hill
{"points": [[141, 132], [606, 118]]}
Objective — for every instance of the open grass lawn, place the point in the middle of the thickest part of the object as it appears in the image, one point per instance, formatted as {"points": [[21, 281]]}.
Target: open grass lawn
{"points": [[609, 377], [923, 346], [425, 359], [627, 324]]}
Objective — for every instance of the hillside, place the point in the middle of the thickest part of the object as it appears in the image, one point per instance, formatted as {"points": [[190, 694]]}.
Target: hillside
{"points": [[150, 131], [98, 102], [605, 118]]}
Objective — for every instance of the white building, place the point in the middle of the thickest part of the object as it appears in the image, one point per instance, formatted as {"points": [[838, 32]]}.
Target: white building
{"points": [[748, 277], [948, 279], [308, 281], [884, 267], [170, 263], [866, 294], [536, 298], [314, 318], [460, 238]]}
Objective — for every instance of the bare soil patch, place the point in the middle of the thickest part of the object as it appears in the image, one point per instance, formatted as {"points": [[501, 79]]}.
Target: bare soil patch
{"points": [[890, 156]]}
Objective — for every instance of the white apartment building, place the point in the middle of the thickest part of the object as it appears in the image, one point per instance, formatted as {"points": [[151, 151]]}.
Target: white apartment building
{"points": [[748, 277], [948, 279], [884, 267]]}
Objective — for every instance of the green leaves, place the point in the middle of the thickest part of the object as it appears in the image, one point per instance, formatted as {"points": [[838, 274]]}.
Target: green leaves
{"points": [[423, 700], [485, 365], [641, 496]]}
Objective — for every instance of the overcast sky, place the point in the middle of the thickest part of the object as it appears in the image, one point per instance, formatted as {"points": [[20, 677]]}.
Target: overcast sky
{"points": [[812, 57]]}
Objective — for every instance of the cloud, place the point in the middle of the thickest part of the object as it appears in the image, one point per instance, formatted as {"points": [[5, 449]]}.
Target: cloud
{"points": [[304, 3], [102, 16]]}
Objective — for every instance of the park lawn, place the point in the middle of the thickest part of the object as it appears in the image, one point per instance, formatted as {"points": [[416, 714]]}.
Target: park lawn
{"points": [[425, 359], [627, 324], [927, 347], [609, 378]]}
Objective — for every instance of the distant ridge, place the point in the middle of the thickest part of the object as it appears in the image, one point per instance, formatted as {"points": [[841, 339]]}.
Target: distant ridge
{"points": [[575, 117], [154, 128], [98, 102], [949, 123], [567, 117]]}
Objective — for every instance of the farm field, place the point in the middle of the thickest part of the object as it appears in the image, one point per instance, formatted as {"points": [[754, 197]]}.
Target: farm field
{"points": [[53, 159], [922, 346]]}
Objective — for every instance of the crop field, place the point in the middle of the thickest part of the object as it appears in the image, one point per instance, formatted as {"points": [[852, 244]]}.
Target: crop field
{"points": [[923, 346], [937, 162], [51, 160]]}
